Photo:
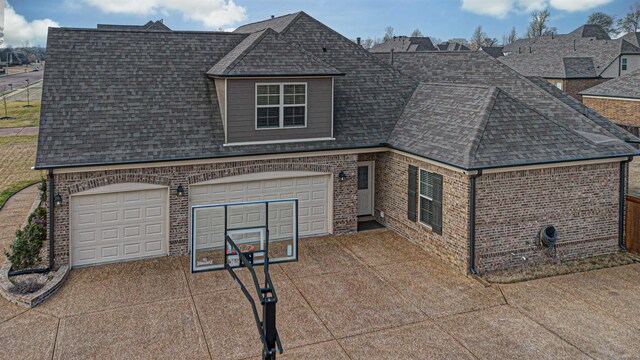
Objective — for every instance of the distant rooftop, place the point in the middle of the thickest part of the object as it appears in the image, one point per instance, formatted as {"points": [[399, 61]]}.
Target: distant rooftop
{"points": [[626, 86], [150, 25], [583, 53]]}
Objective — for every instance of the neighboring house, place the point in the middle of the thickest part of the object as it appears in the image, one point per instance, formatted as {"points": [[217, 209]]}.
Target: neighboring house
{"points": [[405, 43], [617, 99], [494, 51], [150, 25], [453, 150], [452, 46], [410, 44], [576, 61], [12, 57]]}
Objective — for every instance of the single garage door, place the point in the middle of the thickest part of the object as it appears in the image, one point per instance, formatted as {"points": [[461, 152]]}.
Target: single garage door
{"points": [[117, 226], [312, 192]]}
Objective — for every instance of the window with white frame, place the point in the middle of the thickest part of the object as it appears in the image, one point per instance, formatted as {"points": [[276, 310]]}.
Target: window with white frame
{"points": [[282, 105], [624, 64], [426, 197]]}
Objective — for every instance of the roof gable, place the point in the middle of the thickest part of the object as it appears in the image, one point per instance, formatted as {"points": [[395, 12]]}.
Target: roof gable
{"points": [[278, 24], [265, 54]]}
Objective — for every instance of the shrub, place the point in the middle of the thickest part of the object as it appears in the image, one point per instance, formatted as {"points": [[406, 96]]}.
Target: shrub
{"points": [[42, 186], [25, 250]]}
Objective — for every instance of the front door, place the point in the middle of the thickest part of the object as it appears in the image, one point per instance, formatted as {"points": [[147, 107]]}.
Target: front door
{"points": [[365, 188]]}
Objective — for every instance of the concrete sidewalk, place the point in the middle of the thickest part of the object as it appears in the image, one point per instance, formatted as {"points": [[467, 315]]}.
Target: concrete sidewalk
{"points": [[32, 130]]}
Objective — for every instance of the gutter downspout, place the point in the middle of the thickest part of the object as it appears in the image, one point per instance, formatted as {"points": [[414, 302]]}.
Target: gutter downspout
{"points": [[472, 223], [50, 222], [621, 214], [51, 219]]}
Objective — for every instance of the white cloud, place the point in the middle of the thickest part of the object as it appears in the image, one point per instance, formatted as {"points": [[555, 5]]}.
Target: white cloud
{"points": [[502, 8], [576, 5], [17, 30], [212, 13]]}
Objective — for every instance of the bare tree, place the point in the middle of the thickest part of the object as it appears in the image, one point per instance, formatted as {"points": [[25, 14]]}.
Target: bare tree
{"points": [[416, 33], [511, 37], [607, 22], [631, 21], [388, 33], [478, 37], [538, 24], [489, 42]]}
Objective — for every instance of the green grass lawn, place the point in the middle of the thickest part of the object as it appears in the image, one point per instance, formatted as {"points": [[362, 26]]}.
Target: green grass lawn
{"points": [[24, 116], [17, 156]]}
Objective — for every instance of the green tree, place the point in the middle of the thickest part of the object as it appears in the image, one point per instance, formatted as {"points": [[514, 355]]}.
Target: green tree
{"points": [[538, 24], [631, 21], [607, 22]]}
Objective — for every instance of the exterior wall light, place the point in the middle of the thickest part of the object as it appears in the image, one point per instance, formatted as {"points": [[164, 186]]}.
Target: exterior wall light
{"points": [[58, 200], [342, 176], [180, 190]]}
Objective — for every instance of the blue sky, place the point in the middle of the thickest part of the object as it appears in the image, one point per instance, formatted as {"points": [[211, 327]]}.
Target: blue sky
{"points": [[28, 19]]}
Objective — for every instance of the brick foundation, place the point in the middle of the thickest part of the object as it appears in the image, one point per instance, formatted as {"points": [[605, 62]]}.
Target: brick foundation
{"points": [[625, 112], [391, 198], [344, 196], [511, 208]]}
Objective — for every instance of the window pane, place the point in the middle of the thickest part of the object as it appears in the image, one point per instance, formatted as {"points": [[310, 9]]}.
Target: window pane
{"points": [[363, 177], [426, 211], [268, 94], [268, 117], [426, 184], [294, 116], [294, 94]]}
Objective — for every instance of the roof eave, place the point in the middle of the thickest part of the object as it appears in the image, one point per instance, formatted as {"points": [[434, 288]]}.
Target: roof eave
{"points": [[278, 75]]}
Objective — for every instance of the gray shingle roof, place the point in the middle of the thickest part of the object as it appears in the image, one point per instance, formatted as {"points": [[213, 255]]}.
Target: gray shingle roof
{"points": [[554, 56], [279, 24], [452, 46], [494, 51], [626, 86], [150, 25], [405, 43], [168, 109], [525, 98], [590, 31], [633, 38], [264, 54]]}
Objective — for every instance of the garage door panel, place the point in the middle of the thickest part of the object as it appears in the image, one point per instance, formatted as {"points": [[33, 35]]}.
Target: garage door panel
{"points": [[118, 226]]}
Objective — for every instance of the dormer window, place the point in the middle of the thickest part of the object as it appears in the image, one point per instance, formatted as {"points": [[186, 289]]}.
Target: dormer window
{"points": [[281, 105]]}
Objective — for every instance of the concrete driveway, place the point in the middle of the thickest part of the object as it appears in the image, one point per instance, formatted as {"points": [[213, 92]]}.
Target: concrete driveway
{"points": [[366, 296]]}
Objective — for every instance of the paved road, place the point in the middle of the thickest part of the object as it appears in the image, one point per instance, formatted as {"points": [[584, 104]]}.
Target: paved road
{"points": [[31, 130], [18, 80]]}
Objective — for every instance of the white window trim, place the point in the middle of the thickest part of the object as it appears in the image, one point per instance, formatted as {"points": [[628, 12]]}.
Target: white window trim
{"points": [[624, 62], [420, 170], [281, 105]]}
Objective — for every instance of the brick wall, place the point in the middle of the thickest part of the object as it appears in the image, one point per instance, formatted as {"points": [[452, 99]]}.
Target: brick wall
{"points": [[625, 112], [344, 197], [511, 208], [391, 198], [574, 86]]}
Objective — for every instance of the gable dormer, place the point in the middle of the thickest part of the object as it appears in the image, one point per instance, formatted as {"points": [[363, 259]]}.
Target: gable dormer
{"points": [[272, 91]]}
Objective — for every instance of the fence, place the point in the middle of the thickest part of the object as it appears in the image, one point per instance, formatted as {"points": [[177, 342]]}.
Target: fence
{"points": [[632, 231]]}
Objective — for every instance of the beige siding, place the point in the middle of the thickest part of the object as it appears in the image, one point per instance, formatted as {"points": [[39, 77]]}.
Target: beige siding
{"points": [[241, 112]]}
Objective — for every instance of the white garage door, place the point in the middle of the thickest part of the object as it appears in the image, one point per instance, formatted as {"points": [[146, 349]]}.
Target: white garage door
{"points": [[312, 193], [109, 227]]}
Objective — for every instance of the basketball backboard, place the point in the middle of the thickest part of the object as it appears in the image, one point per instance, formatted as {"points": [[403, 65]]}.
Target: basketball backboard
{"points": [[251, 225]]}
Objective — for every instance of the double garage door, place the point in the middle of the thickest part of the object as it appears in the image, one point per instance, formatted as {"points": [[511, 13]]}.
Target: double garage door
{"points": [[312, 193], [110, 226]]}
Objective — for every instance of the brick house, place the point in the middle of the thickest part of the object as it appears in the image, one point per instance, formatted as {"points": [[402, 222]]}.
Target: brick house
{"points": [[617, 99], [576, 61], [452, 150]]}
